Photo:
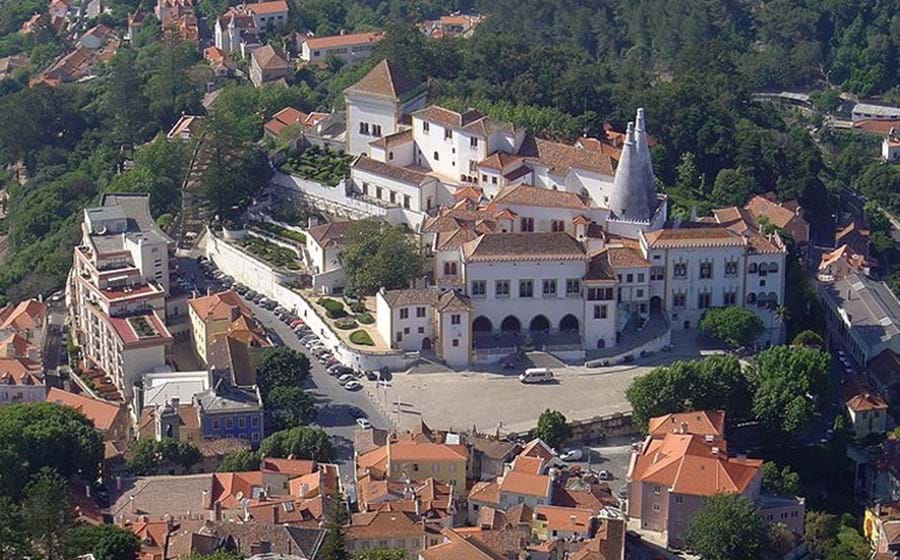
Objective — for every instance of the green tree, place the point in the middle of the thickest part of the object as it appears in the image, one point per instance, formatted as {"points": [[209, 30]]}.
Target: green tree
{"points": [[808, 338], [379, 255], [38, 435], [784, 482], [147, 455], [291, 406], [713, 383], [381, 554], [727, 527], [785, 379], [47, 513], [301, 442], [334, 546], [12, 530], [553, 428], [850, 545], [167, 80], [735, 326], [819, 532], [240, 461], [280, 367], [105, 542], [733, 187]]}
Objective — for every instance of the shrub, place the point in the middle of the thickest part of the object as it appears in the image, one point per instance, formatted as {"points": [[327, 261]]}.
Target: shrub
{"points": [[362, 338], [333, 308], [357, 306], [365, 318], [346, 324]]}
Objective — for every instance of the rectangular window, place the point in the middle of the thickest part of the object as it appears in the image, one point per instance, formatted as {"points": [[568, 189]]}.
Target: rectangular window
{"points": [[449, 269], [406, 201], [365, 189], [639, 294], [549, 288], [526, 288], [229, 423], [421, 330], [455, 319], [420, 312], [473, 142], [425, 127], [364, 128], [478, 288], [448, 134], [527, 224], [393, 197], [679, 270], [731, 268], [730, 298], [679, 499], [501, 288], [640, 277], [254, 422], [630, 278], [404, 313], [655, 507], [557, 225], [679, 300], [657, 273], [455, 342], [494, 180], [376, 130], [242, 422], [703, 300], [378, 193], [483, 178], [573, 287], [706, 270]]}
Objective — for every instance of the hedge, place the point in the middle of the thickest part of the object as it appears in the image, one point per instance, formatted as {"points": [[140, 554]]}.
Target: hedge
{"points": [[346, 324], [365, 318]]}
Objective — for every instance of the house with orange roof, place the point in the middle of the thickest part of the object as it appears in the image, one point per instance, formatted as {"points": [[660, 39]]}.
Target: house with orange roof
{"points": [[463, 544], [608, 542], [856, 235], [787, 216], [21, 381], [562, 523], [836, 265], [268, 65], [28, 319], [110, 419], [225, 316], [868, 414], [455, 24], [240, 27], [706, 423], [389, 529], [672, 472]]}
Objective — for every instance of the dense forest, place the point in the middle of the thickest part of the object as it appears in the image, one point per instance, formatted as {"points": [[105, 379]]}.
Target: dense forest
{"points": [[560, 68]]}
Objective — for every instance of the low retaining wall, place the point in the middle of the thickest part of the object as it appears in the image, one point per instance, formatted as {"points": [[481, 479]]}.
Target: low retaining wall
{"points": [[597, 428], [257, 276], [654, 345]]}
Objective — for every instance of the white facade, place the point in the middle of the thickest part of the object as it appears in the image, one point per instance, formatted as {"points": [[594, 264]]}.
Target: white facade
{"points": [[348, 48]]}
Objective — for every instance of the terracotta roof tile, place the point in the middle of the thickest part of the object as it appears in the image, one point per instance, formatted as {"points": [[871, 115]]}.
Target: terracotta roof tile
{"points": [[331, 234], [693, 235], [866, 402], [344, 40], [495, 247], [526, 484], [401, 174], [386, 80], [265, 8], [701, 423], [103, 414], [527, 195], [485, 492], [559, 158]]}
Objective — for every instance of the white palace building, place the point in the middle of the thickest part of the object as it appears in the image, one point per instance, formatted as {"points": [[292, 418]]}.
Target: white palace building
{"points": [[536, 243]]}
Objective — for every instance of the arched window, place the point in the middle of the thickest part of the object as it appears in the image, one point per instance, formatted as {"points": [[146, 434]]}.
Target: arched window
{"points": [[752, 268], [482, 324], [773, 267], [751, 298]]}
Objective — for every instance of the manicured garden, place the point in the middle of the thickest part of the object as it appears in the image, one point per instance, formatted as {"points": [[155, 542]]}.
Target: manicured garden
{"points": [[278, 231], [321, 165], [275, 255], [333, 308]]}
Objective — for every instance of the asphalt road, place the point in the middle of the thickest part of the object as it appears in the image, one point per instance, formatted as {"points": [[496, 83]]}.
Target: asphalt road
{"points": [[336, 404]]}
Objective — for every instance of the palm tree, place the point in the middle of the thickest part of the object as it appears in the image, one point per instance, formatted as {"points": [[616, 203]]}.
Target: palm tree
{"points": [[779, 315]]}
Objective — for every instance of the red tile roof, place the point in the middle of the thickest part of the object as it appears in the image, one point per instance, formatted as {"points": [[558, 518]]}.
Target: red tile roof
{"points": [[103, 414], [266, 8], [701, 423], [866, 402], [344, 40]]}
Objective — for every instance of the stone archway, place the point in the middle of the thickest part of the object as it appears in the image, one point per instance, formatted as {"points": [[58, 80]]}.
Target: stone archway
{"points": [[482, 324], [568, 324], [539, 324], [511, 324]]}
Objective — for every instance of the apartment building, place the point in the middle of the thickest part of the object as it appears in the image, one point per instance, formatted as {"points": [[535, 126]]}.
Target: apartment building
{"points": [[117, 288], [346, 47]]}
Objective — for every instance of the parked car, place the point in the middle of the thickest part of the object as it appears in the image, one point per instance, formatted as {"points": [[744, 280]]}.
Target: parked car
{"points": [[605, 475], [572, 455], [269, 305], [336, 369], [623, 491], [536, 375], [297, 323], [308, 339], [324, 357], [345, 378], [363, 423], [371, 375], [353, 385]]}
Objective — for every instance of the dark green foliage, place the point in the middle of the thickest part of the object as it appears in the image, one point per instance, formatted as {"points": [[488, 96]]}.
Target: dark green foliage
{"points": [[105, 542], [808, 338], [784, 482], [45, 435], [784, 379], [334, 546], [709, 384], [735, 326], [280, 367], [379, 255], [301, 442], [381, 554], [727, 527], [146, 456], [553, 428], [320, 165], [240, 461], [290, 407], [47, 514]]}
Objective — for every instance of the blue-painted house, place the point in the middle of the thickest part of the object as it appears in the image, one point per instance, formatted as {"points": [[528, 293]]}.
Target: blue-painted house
{"points": [[227, 411]]}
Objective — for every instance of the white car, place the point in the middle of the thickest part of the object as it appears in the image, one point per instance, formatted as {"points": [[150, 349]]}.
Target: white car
{"points": [[353, 386], [572, 455], [363, 423], [346, 378], [604, 475]]}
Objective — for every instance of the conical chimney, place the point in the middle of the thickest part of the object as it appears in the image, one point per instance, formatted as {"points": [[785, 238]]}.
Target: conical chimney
{"points": [[630, 200]]}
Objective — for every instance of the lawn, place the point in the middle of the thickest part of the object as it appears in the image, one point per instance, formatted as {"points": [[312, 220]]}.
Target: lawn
{"points": [[362, 338], [321, 165], [271, 253]]}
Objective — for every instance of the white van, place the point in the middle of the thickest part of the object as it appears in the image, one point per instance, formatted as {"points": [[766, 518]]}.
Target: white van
{"points": [[536, 375]]}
